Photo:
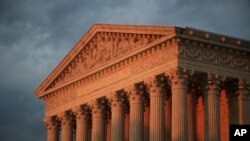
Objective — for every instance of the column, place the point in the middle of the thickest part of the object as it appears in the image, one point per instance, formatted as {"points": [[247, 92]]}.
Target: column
{"points": [[156, 110], [168, 114], [117, 118], [244, 102], [108, 124], [90, 121], [179, 81], [136, 115], [126, 123], [233, 106], [66, 123], [212, 108], [52, 129], [81, 123], [98, 121], [146, 120], [200, 118], [191, 103]]}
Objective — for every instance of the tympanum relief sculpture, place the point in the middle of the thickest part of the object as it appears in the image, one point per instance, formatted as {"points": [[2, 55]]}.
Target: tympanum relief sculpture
{"points": [[101, 49]]}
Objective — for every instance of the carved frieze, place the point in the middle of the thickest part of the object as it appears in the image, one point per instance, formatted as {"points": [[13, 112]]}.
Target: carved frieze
{"points": [[60, 99], [215, 56], [156, 59], [102, 48]]}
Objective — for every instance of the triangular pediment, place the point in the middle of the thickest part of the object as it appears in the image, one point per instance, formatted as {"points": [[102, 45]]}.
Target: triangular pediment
{"points": [[102, 44]]}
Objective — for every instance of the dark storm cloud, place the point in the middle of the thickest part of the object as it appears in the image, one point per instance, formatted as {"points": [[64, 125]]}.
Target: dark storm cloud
{"points": [[35, 35]]}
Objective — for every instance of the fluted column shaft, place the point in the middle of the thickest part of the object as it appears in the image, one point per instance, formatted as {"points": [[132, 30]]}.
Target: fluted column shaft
{"points": [[157, 120], [66, 122], [126, 125], [90, 129], [168, 118], [52, 130], [233, 110], [117, 119], [108, 129], [146, 121], [179, 105], [81, 124], [244, 102], [136, 116], [212, 109], [98, 122], [233, 106], [191, 116]]}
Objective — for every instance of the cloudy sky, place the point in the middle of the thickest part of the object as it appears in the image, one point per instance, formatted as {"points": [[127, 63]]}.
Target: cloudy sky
{"points": [[36, 34]]}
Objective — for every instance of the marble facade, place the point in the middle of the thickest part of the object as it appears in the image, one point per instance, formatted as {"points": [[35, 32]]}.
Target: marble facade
{"points": [[148, 83]]}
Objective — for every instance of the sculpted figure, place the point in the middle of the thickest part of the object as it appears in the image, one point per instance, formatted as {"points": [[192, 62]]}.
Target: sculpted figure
{"points": [[88, 59], [101, 48], [124, 46], [108, 48], [95, 54], [116, 45]]}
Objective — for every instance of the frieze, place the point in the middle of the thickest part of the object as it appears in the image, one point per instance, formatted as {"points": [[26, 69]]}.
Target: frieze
{"points": [[103, 48], [59, 99], [214, 56], [156, 59]]}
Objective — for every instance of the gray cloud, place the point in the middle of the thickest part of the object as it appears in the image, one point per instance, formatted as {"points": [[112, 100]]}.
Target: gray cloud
{"points": [[36, 35]]}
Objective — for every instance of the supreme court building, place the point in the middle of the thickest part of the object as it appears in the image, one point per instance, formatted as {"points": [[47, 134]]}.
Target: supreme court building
{"points": [[148, 83]]}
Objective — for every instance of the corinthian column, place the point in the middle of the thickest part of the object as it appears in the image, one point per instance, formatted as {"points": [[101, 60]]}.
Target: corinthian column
{"points": [[98, 121], [81, 123], [191, 103], [126, 122], [117, 118], [212, 108], [52, 129], [168, 105], [179, 80], [157, 119], [233, 106], [136, 115], [244, 102], [108, 124], [66, 123], [146, 119]]}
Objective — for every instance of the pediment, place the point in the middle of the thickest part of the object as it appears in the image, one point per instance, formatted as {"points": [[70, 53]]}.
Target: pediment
{"points": [[101, 45]]}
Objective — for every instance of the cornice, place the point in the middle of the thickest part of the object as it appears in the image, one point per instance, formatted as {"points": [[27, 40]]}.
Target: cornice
{"points": [[215, 39]]}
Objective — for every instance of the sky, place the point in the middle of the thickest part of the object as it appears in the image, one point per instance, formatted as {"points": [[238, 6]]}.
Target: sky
{"points": [[36, 34]]}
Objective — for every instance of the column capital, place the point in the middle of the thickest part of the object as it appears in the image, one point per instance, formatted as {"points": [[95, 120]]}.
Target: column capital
{"points": [[51, 123], [65, 118], [134, 95], [214, 83], [243, 88], [153, 86], [80, 111], [97, 107], [178, 76], [215, 79], [115, 100]]}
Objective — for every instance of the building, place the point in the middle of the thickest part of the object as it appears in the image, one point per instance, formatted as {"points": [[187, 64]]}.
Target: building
{"points": [[148, 83]]}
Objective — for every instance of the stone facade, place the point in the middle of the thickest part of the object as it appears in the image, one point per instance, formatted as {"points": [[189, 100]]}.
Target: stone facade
{"points": [[148, 83]]}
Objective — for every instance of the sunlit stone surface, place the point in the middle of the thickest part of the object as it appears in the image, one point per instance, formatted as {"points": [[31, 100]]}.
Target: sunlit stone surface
{"points": [[148, 83]]}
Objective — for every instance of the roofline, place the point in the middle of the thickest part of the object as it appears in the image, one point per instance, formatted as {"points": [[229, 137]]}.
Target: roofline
{"points": [[96, 27], [141, 29]]}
